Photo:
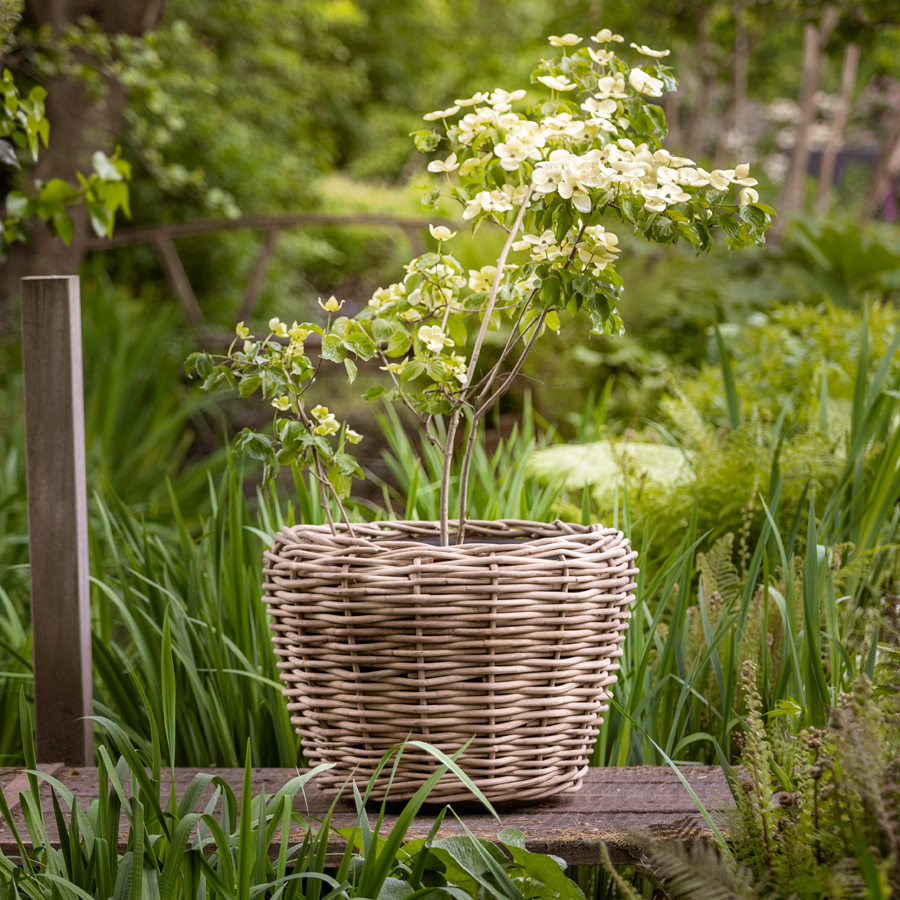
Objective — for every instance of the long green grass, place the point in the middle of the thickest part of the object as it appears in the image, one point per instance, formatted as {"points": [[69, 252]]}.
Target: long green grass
{"points": [[799, 590]]}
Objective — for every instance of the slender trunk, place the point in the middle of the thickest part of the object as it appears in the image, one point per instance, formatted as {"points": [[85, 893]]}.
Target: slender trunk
{"points": [[814, 42], [445, 479], [881, 174], [841, 114]]}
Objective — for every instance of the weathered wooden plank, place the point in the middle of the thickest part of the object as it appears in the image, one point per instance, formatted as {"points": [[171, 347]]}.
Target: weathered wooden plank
{"points": [[57, 519], [611, 807]]}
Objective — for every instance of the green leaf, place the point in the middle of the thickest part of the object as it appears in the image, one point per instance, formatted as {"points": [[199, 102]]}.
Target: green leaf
{"points": [[350, 366], [101, 218], [205, 365], [64, 226], [17, 204], [105, 168], [373, 393]]}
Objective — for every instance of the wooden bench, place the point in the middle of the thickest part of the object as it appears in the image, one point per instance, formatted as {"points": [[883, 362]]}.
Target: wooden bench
{"points": [[612, 806]]}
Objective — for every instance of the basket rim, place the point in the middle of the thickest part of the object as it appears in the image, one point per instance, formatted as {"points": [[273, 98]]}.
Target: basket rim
{"points": [[402, 535]]}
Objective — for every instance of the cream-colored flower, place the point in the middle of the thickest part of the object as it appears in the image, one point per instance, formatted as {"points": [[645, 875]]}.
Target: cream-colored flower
{"points": [[353, 436], [475, 162], [646, 51], [600, 109], [482, 279], [557, 82], [444, 165], [434, 338], [328, 425], [604, 36], [645, 84], [320, 412], [719, 180], [748, 196], [249, 347], [410, 315], [282, 403], [441, 114], [276, 326], [567, 40], [499, 97], [480, 97], [331, 304], [441, 232], [601, 57], [297, 333], [742, 175], [242, 331], [611, 86]]}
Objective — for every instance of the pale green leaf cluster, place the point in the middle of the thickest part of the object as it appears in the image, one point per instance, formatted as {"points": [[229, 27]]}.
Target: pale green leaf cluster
{"points": [[103, 192]]}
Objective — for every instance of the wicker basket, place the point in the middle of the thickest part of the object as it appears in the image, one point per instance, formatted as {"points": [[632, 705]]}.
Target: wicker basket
{"points": [[511, 639]]}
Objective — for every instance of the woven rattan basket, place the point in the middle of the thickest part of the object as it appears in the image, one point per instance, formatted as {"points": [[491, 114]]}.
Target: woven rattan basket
{"points": [[510, 639]]}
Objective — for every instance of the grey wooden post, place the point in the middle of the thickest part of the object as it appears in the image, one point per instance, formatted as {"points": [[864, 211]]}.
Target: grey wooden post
{"points": [[57, 519]]}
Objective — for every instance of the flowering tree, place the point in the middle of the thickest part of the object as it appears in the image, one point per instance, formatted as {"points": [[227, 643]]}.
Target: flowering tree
{"points": [[554, 175]]}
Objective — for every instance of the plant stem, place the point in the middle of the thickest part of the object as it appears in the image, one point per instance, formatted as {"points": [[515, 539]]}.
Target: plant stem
{"points": [[495, 287], [445, 479]]}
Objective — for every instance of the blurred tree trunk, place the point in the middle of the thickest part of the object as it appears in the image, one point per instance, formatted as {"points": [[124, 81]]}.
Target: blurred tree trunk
{"points": [[815, 40], [673, 120], [741, 67], [78, 127], [886, 168], [841, 114], [704, 95]]}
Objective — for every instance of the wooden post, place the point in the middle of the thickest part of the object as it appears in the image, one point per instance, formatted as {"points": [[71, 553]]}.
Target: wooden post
{"points": [[57, 519]]}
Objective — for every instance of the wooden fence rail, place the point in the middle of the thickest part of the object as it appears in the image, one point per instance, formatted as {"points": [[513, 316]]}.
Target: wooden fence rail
{"points": [[162, 237]]}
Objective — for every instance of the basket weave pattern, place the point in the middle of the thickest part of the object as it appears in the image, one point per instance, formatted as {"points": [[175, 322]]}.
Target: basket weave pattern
{"points": [[510, 640]]}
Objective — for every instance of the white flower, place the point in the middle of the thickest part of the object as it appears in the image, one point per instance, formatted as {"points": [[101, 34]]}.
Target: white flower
{"points": [[567, 40], [241, 330], [600, 109], [328, 425], [611, 86], [441, 232], [445, 165], [719, 180], [644, 83], [601, 57], [748, 196], [276, 326], [441, 114], [471, 101], [487, 201], [499, 98], [741, 175], [475, 162], [646, 51], [353, 436], [604, 36], [512, 153], [434, 338], [482, 279], [282, 403], [456, 366], [249, 347], [331, 305], [557, 83]]}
